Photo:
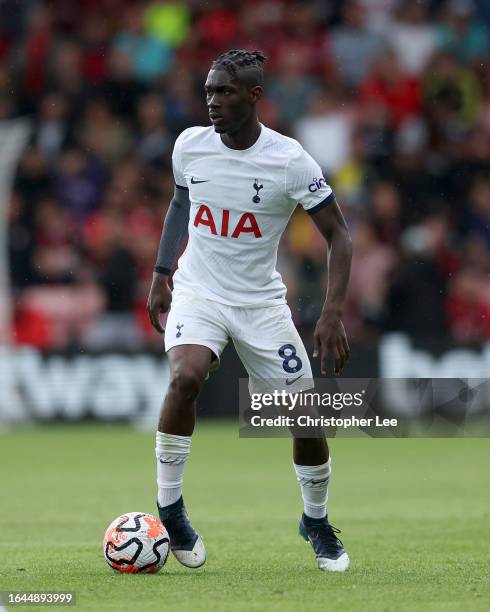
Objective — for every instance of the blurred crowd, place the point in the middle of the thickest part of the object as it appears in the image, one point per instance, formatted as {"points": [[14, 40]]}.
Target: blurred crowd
{"points": [[392, 97]]}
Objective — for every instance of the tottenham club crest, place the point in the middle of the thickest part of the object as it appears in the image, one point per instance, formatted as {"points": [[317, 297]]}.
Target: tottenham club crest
{"points": [[179, 327], [257, 187]]}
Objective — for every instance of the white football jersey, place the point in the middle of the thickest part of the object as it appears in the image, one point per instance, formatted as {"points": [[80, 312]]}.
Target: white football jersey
{"points": [[241, 202]]}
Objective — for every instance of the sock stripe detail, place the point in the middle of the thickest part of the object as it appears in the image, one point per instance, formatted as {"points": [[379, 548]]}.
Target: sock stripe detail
{"points": [[172, 449]]}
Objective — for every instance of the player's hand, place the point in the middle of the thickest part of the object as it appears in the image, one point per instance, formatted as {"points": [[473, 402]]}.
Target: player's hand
{"points": [[330, 337], [159, 300]]}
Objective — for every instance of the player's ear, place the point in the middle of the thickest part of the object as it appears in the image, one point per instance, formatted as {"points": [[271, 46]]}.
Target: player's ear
{"points": [[255, 93]]}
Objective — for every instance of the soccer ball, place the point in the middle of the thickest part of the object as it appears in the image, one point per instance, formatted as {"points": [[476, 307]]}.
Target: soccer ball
{"points": [[136, 543]]}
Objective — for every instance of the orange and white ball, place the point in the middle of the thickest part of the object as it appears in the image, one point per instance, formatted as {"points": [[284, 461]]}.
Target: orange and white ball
{"points": [[136, 542]]}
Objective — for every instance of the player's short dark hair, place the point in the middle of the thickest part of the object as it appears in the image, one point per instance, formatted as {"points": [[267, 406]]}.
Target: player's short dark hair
{"points": [[242, 65]]}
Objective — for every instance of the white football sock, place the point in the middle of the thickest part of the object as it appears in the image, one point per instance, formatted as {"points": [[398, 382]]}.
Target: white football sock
{"points": [[172, 452], [313, 480]]}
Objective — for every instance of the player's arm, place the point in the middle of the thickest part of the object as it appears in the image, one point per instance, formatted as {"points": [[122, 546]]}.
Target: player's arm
{"points": [[329, 332], [174, 234]]}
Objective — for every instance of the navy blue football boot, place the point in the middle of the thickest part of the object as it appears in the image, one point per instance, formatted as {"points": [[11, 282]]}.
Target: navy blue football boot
{"points": [[186, 545], [330, 552]]}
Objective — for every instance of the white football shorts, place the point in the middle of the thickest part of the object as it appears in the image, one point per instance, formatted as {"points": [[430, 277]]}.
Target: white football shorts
{"points": [[266, 340]]}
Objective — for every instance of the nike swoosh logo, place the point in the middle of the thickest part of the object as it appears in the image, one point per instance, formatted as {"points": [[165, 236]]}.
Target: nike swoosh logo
{"points": [[322, 481], [290, 382], [194, 182]]}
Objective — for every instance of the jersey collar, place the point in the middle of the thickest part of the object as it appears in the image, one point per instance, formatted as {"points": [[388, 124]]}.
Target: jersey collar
{"points": [[240, 152]]}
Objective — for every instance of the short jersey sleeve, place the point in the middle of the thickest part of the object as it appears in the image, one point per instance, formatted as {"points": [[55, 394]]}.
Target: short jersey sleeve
{"points": [[305, 183], [177, 163]]}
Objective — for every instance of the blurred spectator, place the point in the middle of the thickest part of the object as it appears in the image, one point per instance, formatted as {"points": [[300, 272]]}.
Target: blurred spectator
{"points": [[420, 185], [478, 218], [78, 181], [116, 327], [121, 89], [32, 181], [461, 34], [386, 213], [302, 261], [416, 297], [353, 46], [168, 21], [326, 132], [35, 47], [301, 36], [52, 129], [94, 37], [378, 14], [453, 96], [55, 258], [262, 25], [13, 17], [218, 26], [349, 181], [291, 88], [181, 103], [102, 134], [150, 58], [66, 75], [154, 139], [412, 36], [391, 90], [20, 243], [468, 303], [372, 264]]}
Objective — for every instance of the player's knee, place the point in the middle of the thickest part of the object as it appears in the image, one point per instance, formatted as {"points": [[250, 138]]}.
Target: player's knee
{"points": [[186, 383]]}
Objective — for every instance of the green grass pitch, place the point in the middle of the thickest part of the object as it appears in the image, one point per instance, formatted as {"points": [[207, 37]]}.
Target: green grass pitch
{"points": [[415, 516]]}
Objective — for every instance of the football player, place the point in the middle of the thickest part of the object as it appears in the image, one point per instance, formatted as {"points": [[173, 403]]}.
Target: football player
{"points": [[237, 183]]}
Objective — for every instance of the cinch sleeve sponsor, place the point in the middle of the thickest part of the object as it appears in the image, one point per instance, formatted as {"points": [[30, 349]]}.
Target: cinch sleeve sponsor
{"points": [[305, 183]]}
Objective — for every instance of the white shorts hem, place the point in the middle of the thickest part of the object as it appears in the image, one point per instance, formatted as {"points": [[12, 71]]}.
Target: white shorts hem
{"points": [[212, 347]]}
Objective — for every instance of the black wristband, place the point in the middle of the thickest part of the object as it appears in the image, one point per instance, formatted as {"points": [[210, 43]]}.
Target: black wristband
{"points": [[161, 270]]}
